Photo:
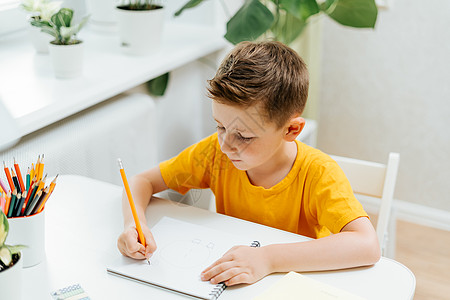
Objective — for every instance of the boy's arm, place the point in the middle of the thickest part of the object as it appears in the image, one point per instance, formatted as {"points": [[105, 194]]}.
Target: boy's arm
{"points": [[142, 186], [356, 245]]}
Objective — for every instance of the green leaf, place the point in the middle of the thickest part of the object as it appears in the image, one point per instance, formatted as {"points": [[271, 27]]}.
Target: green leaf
{"points": [[5, 256], [288, 28], [158, 85], [4, 228], [301, 9], [189, 4], [354, 13], [62, 18], [16, 248], [250, 21], [68, 32]]}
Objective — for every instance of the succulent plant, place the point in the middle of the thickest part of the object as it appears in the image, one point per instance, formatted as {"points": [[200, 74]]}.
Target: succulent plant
{"points": [[7, 252]]}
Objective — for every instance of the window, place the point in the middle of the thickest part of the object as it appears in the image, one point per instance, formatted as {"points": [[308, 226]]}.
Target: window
{"points": [[11, 17]]}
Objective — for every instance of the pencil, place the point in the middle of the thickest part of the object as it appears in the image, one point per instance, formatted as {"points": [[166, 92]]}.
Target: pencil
{"points": [[12, 204], [28, 179], [16, 212], [30, 196], [41, 167], [32, 172], [19, 175], [8, 177], [41, 184], [2, 202], [33, 202], [131, 202], [2, 184], [50, 191], [40, 200], [8, 201], [16, 181]]}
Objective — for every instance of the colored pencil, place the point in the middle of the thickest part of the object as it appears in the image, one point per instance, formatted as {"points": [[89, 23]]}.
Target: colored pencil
{"points": [[33, 202], [2, 202], [32, 172], [16, 181], [30, 196], [50, 191], [8, 201], [17, 210], [28, 179], [12, 204], [19, 175], [131, 202], [8, 177], [2, 184], [41, 167]]}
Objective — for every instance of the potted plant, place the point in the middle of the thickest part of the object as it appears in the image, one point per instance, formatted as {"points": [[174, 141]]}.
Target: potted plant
{"points": [[140, 25], [65, 50], [284, 20], [10, 264], [40, 10]]}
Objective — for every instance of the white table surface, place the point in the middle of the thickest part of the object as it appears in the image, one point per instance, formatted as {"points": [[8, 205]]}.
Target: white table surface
{"points": [[35, 98], [83, 220]]}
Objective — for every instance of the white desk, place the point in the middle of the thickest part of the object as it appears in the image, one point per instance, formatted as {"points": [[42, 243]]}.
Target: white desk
{"points": [[35, 98], [83, 221]]}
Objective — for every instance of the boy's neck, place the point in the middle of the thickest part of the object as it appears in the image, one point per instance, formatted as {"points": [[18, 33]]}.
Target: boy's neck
{"points": [[276, 169]]}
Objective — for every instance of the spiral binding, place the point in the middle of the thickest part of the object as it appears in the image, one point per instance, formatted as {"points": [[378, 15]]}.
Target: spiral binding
{"points": [[220, 287], [217, 290]]}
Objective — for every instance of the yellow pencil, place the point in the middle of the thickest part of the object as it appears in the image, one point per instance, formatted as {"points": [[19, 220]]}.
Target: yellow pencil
{"points": [[133, 208]]}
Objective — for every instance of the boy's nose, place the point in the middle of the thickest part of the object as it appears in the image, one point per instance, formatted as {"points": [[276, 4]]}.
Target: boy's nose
{"points": [[227, 145]]}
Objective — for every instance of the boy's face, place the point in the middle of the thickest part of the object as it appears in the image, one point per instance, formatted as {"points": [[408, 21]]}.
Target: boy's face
{"points": [[246, 137]]}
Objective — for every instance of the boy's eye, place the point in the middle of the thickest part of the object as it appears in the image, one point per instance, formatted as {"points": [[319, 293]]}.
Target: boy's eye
{"points": [[220, 128], [245, 139]]}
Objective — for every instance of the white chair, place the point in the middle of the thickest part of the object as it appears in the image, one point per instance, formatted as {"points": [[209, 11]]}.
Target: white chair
{"points": [[371, 180]]}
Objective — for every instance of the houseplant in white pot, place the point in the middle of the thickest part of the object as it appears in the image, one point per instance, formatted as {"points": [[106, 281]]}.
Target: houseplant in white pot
{"points": [[140, 25], [66, 50], [39, 10], [10, 264]]}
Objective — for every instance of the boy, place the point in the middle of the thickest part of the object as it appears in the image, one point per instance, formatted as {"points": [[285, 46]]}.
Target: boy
{"points": [[259, 172]]}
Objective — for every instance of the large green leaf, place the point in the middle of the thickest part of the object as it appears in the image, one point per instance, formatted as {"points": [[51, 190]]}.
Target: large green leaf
{"points": [[62, 18], [288, 28], [301, 9], [158, 85], [250, 21], [189, 4], [354, 13]]}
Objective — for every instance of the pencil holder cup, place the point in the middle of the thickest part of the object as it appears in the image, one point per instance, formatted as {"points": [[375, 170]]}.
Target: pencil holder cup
{"points": [[29, 231]]}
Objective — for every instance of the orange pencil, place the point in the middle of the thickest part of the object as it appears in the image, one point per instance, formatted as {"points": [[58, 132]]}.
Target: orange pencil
{"points": [[41, 167], [8, 202], [133, 208], [51, 188], [8, 176], [19, 175]]}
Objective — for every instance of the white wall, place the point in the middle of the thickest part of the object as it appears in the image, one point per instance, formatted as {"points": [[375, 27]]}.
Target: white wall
{"points": [[388, 89]]}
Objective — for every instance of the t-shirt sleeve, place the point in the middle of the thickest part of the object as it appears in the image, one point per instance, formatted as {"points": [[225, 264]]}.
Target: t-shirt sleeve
{"points": [[191, 168], [333, 200]]}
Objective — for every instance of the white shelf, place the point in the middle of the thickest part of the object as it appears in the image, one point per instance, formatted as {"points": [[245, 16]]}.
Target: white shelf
{"points": [[35, 98]]}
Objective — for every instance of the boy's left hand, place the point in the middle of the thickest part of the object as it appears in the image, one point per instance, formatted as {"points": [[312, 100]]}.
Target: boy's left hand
{"points": [[241, 264]]}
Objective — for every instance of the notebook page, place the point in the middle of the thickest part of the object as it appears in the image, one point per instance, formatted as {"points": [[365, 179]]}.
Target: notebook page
{"points": [[184, 251]]}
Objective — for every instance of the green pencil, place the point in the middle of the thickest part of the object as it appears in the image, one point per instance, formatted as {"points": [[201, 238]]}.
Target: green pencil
{"points": [[12, 203]]}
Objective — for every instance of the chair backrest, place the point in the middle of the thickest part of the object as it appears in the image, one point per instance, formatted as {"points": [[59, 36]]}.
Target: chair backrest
{"points": [[374, 180]]}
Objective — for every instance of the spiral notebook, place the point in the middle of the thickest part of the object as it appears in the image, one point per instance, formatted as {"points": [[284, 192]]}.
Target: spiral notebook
{"points": [[184, 251]]}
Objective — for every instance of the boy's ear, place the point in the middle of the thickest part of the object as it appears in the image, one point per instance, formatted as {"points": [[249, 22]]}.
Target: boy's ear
{"points": [[293, 128]]}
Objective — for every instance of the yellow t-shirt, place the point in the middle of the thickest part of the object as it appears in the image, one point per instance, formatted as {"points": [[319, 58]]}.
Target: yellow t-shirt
{"points": [[314, 199]]}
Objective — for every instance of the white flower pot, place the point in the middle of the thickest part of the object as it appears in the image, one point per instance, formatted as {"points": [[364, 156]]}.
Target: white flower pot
{"points": [[103, 16], [67, 60], [140, 31], [11, 282], [39, 39]]}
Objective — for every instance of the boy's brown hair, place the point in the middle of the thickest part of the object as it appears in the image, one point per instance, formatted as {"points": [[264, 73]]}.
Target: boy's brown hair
{"points": [[267, 73]]}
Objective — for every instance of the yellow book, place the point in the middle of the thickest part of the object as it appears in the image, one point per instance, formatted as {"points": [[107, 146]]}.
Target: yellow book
{"points": [[294, 286]]}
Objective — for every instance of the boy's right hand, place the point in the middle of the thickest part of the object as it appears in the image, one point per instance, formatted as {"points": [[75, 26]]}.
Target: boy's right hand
{"points": [[129, 245]]}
